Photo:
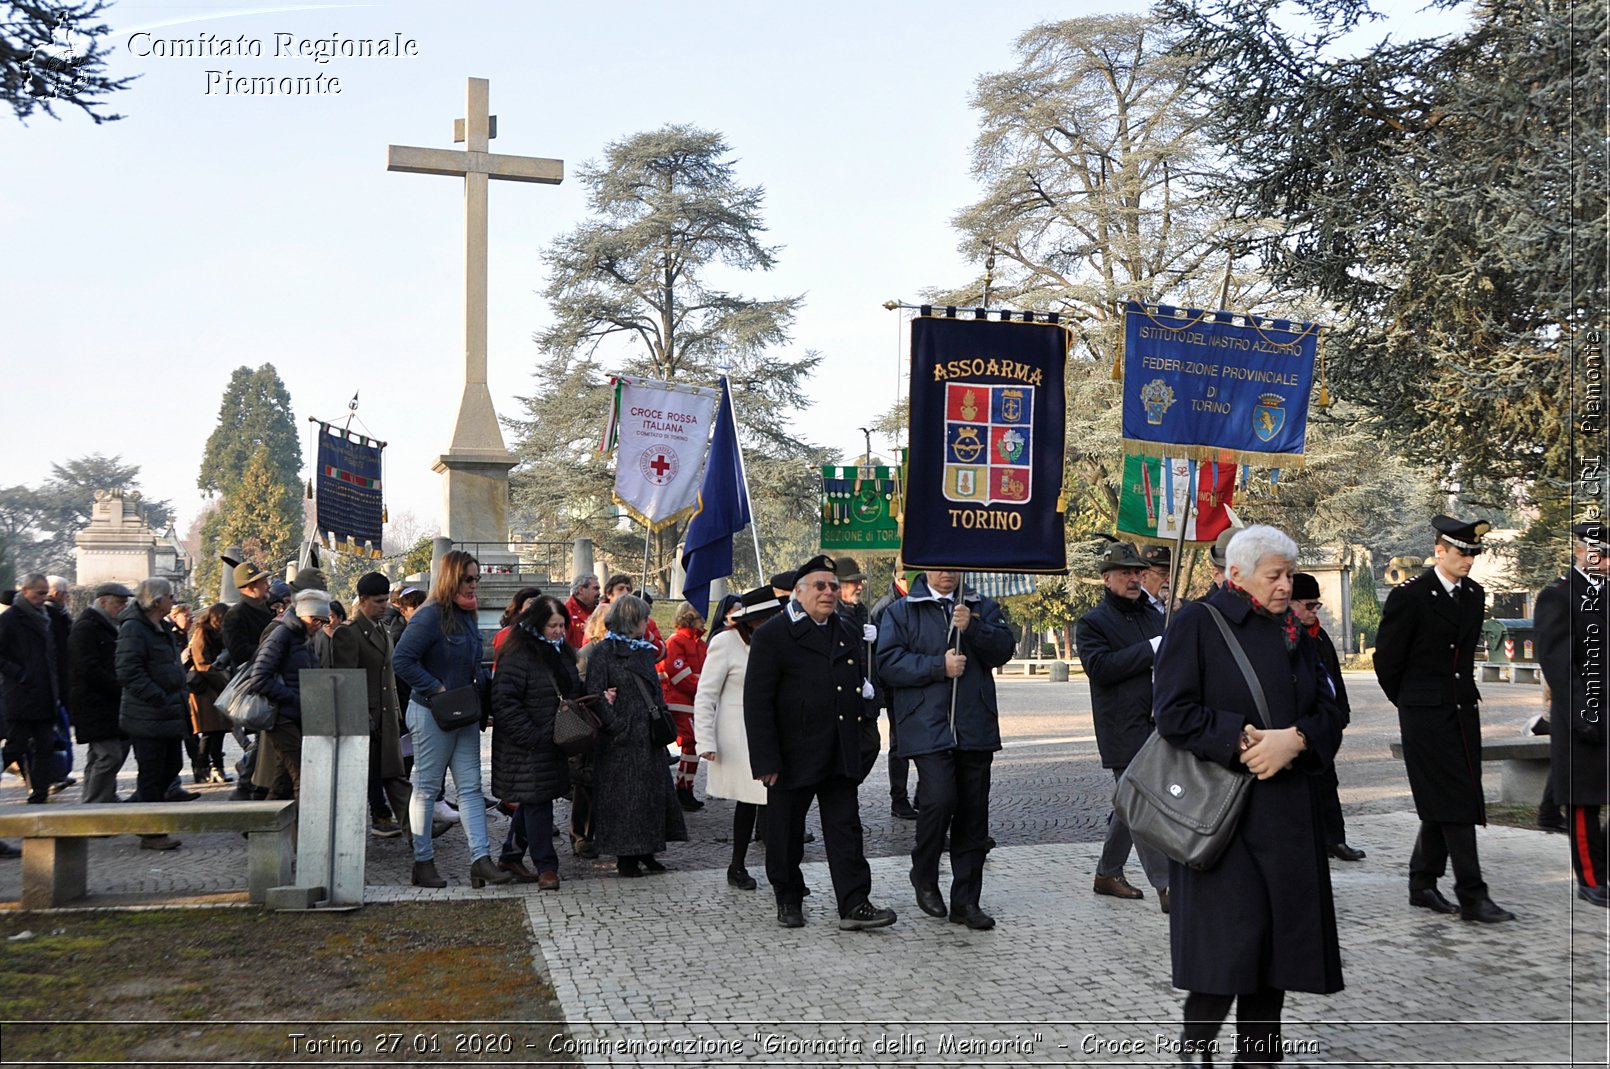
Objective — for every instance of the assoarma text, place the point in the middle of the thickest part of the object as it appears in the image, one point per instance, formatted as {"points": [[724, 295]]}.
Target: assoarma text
{"points": [[1001, 369]]}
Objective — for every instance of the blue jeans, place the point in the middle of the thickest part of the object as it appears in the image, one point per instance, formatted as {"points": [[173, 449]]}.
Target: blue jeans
{"points": [[435, 752]]}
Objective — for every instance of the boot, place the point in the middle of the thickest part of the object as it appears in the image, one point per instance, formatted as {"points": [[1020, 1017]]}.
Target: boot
{"points": [[199, 773], [690, 804], [425, 875], [485, 871]]}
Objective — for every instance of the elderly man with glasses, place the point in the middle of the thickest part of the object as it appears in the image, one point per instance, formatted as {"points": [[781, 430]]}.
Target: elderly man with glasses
{"points": [[808, 712]]}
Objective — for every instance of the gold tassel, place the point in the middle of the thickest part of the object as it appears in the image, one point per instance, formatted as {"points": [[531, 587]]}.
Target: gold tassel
{"points": [[310, 489]]}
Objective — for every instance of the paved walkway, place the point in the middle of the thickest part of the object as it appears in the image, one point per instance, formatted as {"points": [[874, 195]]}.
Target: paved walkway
{"points": [[682, 967]]}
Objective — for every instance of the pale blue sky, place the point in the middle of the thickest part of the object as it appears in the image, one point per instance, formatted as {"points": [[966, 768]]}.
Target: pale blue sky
{"points": [[151, 257]]}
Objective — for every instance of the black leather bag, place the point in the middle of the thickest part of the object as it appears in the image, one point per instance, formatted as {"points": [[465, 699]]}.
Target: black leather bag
{"points": [[456, 708], [661, 728], [1183, 805]]}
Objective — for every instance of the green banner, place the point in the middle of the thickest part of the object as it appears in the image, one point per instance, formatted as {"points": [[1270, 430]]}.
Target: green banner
{"points": [[861, 508]]}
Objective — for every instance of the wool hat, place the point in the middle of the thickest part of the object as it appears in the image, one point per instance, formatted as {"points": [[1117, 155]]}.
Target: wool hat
{"points": [[1220, 553], [1121, 555], [112, 590], [310, 579], [783, 581], [1157, 556], [849, 571], [247, 573], [819, 563], [313, 603], [373, 585], [279, 590], [1304, 587]]}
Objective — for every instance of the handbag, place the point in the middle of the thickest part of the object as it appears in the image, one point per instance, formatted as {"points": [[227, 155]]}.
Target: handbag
{"points": [[456, 708], [661, 728], [1185, 806], [576, 724], [247, 711]]}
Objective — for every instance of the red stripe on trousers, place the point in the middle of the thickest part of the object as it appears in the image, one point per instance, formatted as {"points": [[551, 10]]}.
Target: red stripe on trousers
{"points": [[1589, 877]]}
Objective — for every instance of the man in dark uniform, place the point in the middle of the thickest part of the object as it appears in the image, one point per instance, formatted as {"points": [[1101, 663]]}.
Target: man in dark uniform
{"points": [[1573, 619], [1118, 642], [805, 708], [1305, 603], [1425, 660]]}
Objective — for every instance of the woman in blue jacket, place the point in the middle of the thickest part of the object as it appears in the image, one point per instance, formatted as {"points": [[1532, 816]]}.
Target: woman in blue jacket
{"points": [[441, 651]]}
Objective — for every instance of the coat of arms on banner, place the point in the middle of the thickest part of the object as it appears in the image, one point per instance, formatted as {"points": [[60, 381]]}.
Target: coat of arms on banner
{"points": [[987, 454]]}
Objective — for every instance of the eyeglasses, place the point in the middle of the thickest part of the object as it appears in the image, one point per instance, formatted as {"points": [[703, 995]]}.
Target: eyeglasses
{"points": [[1311, 606], [470, 579], [820, 585]]}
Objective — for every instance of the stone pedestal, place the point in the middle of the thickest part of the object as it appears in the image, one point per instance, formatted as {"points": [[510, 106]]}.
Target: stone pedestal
{"points": [[117, 546]]}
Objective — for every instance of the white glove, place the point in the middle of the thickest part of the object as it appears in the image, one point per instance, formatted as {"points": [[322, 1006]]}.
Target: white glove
{"points": [[869, 633], [866, 688], [1156, 642]]}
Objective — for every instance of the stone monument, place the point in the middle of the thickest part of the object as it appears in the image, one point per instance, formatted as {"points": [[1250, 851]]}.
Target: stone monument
{"points": [[475, 468], [118, 546]]}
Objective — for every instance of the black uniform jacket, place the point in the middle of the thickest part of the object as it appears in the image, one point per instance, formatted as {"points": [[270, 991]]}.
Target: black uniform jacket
{"points": [[802, 700], [1115, 650], [1425, 652], [1573, 622]]}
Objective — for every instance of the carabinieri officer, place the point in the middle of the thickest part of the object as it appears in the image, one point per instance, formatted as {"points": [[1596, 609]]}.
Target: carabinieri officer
{"points": [[1425, 653]]}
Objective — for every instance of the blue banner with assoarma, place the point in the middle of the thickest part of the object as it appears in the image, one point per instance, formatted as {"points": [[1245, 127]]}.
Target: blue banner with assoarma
{"points": [[988, 422], [348, 506], [1203, 385]]}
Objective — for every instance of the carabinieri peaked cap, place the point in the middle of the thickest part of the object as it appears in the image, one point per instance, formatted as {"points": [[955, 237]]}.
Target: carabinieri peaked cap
{"points": [[1464, 535]]}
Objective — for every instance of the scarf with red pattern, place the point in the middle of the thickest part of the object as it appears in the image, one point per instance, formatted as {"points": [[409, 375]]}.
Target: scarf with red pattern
{"points": [[1287, 620]]}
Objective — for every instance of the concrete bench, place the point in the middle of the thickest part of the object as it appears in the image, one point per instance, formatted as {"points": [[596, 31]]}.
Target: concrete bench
{"points": [[1524, 768], [1513, 672], [55, 859]]}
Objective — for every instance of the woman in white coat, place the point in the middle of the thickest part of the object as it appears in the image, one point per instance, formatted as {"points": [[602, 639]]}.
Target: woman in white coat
{"points": [[718, 723]]}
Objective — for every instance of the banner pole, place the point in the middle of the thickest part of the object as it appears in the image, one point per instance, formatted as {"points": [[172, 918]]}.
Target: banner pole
{"points": [[1174, 564], [648, 532]]}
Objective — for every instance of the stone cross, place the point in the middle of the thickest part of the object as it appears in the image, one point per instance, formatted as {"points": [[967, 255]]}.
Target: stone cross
{"points": [[476, 464]]}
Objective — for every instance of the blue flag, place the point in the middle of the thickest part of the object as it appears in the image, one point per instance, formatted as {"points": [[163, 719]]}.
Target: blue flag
{"points": [[721, 511]]}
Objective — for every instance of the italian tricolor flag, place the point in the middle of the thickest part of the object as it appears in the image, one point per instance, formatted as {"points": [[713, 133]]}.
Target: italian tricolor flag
{"points": [[1161, 493]]}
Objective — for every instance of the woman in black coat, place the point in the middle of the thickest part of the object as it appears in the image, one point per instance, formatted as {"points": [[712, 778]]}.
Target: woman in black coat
{"points": [[635, 809], [535, 669], [155, 712], [1260, 922]]}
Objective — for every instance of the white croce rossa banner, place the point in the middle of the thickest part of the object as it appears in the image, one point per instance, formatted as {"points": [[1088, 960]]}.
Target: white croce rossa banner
{"points": [[661, 434]]}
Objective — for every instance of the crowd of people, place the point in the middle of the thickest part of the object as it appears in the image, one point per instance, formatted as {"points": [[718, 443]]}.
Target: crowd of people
{"points": [[782, 700]]}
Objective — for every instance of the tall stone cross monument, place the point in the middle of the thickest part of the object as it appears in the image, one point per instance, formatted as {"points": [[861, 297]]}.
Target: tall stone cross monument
{"points": [[475, 487]]}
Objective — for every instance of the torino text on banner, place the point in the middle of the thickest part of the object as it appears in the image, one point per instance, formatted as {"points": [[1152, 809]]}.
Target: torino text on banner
{"points": [[1204, 386], [348, 506], [659, 431], [988, 422]]}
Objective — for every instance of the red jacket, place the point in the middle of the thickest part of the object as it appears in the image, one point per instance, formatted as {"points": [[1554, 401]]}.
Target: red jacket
{"points": [[679, 671], [576, 633]]}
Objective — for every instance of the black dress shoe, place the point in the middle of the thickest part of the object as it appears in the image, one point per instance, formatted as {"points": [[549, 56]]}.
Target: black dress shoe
{"points": [[865, 916], [973, 917], [790, 915], [1555, 823], [179, 794], [650, 863], [1484, 911], [929, 900], [740, 879], [901, 810], [1431, 898], [1599, 896], [628, 867], [1343, 852]]}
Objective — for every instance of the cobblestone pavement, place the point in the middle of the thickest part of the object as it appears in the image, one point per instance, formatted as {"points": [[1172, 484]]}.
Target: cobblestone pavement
{"points": [[682, 967]]}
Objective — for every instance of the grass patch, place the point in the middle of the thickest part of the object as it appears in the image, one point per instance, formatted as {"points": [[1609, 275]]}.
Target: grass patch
{"points": [[198, 986]]}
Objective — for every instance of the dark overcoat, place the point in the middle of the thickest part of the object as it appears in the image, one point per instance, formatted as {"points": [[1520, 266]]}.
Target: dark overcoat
{"points": [[96, 695], [1263, 915], [61, 627], [802, 700], [1425, 652], [1333, 668], [913, 636], [635, 808], [277, 673], [148, 669], [364, 644], [28, 668], [1573, 622], [1115, 651], [526, 687], [244, 624]]}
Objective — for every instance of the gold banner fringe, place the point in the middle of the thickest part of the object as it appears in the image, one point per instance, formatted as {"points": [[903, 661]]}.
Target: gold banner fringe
{"points": [[1211, 453], [656, 528]]}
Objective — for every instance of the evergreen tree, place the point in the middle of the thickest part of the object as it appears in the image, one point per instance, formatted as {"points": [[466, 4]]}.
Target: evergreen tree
{"points": [[262, 515], [632, 291], [51, 53]]}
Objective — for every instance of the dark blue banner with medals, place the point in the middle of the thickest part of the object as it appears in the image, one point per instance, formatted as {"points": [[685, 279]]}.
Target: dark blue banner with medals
{"points": [[1216, 386], [988, 424], [348, 506]]}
